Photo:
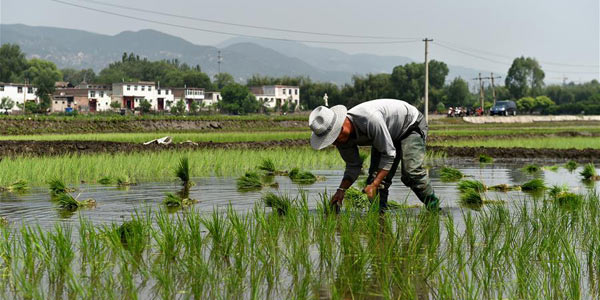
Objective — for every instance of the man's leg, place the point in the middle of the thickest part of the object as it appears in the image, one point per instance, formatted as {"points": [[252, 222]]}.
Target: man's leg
{"points": [[414, 174], [387, 181]]}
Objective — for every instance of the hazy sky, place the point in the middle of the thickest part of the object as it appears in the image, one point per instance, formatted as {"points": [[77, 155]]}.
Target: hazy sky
{"points": [[553, 31]]}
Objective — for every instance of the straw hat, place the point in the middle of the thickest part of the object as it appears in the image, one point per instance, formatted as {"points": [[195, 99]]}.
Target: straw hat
{"points": [[326, 125]]}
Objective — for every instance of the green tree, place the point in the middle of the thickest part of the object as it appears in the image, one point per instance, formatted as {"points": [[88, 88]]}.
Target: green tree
{"points": [[6, 104], [526, 104], [194, 107], [76, 77], [457, 93], [12, 63], [115, 105], [543, 104], [223, 79], [145, 106], [525, 78], [237, 99], [440, 108], [408, 81], [178, 108], [197, 79], [43, 75]]}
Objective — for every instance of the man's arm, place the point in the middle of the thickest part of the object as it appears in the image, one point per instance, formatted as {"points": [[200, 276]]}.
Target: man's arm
{"points": [[353, 166], [382, 141]]}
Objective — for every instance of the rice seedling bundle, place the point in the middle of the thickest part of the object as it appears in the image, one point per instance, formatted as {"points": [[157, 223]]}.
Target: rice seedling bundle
{"points": [[569, 200], [268, 166], [589, 172], [531, 168], [67, 202], [124, 180], [279, 203], [485, 159], [19, 186], [355, 198], [448, 174], [504, 188], [533, 185], [471, 197], [468, 185], [250, 181], [302, 177], [571, 165], [183, 170], [105, 180], [175, 201], [57, 187]]}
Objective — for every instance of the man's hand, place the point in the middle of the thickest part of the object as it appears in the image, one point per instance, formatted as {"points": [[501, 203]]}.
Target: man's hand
{"points": [[338, 197], [371, 190]]}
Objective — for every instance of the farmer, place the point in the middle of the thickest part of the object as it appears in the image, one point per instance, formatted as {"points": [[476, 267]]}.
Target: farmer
{"points": [[396, 132]]}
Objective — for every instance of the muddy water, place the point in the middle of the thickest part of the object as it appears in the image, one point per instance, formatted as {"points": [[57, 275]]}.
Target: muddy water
{"points": [[114, 204]]}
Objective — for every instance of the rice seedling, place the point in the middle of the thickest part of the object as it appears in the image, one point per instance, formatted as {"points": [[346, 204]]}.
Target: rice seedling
{"points": [[3, 221], [250, 181], [106, 180], [124, 181], [67, 202], [302, 177], [474, 185], [471, 197], [569, 200], [553, 168], [571, 165], [556, 190], [448, 174], [532, 168], [504, 188], [589, 172], [19, 186], [485, 159], [279, 203], [355, 198], [534, 185], [183, 171], [58, 187], [176, 201]]}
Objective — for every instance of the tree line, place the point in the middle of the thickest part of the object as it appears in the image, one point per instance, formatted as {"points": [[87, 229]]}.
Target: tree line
{"points": [[524, 84]]}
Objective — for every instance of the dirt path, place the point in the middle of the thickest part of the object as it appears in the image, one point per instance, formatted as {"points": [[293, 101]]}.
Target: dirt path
{"points": [[51, 148]]}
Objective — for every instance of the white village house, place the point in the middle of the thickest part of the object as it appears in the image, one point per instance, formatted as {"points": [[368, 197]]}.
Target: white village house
{"points": [[19, 93], [274, 96]]}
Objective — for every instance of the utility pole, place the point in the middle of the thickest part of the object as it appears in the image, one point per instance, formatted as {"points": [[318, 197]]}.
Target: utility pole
{"points": [[493, 89], [219, 59], [480, 91], [426, 40]]}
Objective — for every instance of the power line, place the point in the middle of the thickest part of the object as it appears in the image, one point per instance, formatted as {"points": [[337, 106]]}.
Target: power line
{"points": [[228, 33], [504, 63], [248, 25], [509, 57]]}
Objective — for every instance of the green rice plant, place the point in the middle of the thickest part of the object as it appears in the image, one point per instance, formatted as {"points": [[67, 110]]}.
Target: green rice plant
{"points": [[183, 170], [302, 177], [474, 185], [106, 180], [67, 202], [504, 188], [534, 185], [556, 190], [3, 221], [553, 168], [175, 201], [531, 168], [279, 203], [19, 186], [355, 198], [471, 197], [124, 181], [569, 200], [571, 165], [589, 172], [57, 187], [485, 159], [448, 174], [250, 181], [268, 166]]}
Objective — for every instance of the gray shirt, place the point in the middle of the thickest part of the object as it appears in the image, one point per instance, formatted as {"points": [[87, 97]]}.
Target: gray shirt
{"points": [[377, 123]]}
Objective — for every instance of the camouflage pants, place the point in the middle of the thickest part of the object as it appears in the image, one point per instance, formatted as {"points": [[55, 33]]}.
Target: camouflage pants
{"points": [[410, 155]]}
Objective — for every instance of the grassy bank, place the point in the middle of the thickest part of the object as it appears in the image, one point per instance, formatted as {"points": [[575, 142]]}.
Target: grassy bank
{"points": [[535, 250], [533, 142]]}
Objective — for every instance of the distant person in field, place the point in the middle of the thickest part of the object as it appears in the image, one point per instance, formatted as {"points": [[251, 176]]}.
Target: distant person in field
{"points": [[396, 132]]}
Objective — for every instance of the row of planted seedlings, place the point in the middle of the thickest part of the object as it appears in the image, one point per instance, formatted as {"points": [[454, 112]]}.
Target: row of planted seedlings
{"points": [[537, 251], [265, 174]]}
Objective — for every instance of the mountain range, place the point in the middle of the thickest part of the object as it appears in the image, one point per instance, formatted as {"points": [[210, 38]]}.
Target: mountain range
{"points": [[242, 57]]}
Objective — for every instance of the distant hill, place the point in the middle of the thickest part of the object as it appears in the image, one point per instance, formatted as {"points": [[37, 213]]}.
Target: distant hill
{"points": [[242, 57]]}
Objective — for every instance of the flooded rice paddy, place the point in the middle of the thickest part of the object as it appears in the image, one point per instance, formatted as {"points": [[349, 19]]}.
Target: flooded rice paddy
{"points": [[114, 203]]}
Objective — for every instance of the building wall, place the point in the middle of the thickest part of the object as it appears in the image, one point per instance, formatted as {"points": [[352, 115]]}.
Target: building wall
{"points": [[12, 91]]}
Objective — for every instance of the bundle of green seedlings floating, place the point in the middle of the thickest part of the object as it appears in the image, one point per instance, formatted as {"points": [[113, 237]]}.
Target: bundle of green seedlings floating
{"points": [[124, 180], [268, 166], [533, 185], [58, 187], [571, 165], [303, 177], [67, 202], [565, 198], [105, 180], [589, 173], [531, 168], [183, 171], [471, 197], [172, 200], [485, 159], [504, 188], [279, 203], [19, 186], [252, 181], [552, 168], [467, 185], [448, 174]]}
